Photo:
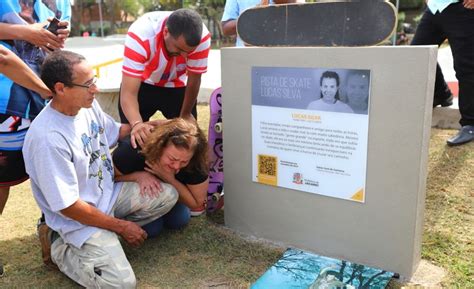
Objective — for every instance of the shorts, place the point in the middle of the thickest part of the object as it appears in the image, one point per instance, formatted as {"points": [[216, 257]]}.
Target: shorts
{"points": [[12, 135], [151, 98]]}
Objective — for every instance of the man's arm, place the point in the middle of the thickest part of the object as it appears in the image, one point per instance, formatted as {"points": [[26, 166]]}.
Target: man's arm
{"points": [[35, 34], [129, 98], [129, 103], [229, 17], [124, 130], [193, 196], [229, 27], [232, 11], [88, 215], [190, 95], [15, 69]]}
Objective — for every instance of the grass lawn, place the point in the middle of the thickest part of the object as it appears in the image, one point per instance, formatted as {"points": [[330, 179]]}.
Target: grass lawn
{"points": [[206, 255]]}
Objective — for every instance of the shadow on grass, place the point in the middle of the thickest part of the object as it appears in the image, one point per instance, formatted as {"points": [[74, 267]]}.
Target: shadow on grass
{"points": [[448, 225], [24, 268], [448, 163]]}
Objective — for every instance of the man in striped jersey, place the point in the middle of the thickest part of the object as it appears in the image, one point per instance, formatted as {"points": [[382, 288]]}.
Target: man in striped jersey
{"points": [[165, 55]]}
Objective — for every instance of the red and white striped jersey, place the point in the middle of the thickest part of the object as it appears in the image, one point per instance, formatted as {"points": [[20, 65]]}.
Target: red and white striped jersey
{"points": [[145, 54]]}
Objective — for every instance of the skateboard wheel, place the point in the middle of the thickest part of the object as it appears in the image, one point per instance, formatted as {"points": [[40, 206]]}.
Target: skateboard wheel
{"points": [[215, 197], [218, 127]]}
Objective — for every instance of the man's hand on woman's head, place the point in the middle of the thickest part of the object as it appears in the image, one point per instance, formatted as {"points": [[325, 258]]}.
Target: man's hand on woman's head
{"points": [[139, 134], [469, 4], [157, 122], [188, 117]]}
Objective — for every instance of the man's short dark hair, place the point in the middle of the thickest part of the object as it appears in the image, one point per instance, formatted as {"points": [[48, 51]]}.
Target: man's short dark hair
{"points": [[188, 23], [58, 67]]}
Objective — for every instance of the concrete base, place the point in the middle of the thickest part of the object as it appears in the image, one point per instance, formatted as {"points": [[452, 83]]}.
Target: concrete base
{"points": [[426, 275], [108, 100], [446, 117]]}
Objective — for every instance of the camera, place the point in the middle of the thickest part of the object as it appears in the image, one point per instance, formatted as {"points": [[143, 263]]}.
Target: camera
{"points": [[54, 26]]}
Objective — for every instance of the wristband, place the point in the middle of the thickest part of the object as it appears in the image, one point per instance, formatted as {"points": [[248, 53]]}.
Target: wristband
{"points": [[135, 123]]}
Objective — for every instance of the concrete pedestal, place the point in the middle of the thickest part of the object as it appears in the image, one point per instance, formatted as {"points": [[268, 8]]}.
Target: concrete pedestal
{"points": [[108, 100], [386, 230]]}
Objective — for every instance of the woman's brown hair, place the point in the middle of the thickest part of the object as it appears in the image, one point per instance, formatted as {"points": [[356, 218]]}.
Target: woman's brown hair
{"points": [[182, 134]]}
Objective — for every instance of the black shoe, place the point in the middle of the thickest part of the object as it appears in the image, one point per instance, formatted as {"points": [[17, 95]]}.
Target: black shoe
{"points": [[443, 102], [465, 135]]}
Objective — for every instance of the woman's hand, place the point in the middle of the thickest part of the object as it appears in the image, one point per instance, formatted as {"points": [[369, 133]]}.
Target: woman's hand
{"points": [[157, 170], [149, 184]]}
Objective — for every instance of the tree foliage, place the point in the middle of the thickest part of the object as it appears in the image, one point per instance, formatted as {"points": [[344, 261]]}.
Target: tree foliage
{"points": [[211, 10], [121, 10]]}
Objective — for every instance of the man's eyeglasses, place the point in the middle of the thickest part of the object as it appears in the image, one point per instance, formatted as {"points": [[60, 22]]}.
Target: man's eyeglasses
{"points": [[92, 83]]}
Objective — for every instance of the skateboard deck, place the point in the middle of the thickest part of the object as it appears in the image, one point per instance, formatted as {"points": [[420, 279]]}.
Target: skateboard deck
{"points": [[215, 192], [334, 23]]}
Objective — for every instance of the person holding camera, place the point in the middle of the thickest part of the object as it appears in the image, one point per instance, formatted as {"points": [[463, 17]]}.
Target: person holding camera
{"points": [[23, 30], [13, 68]]}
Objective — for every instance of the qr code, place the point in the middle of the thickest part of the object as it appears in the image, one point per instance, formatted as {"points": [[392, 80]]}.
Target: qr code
{"points": [[267, 165]]}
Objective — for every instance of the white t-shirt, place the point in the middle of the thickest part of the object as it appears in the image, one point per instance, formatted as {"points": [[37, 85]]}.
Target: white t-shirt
{"points": [[68, 158]]}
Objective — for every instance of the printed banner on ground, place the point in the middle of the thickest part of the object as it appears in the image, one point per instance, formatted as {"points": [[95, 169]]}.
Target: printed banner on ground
{"points": [[303, 270]]}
